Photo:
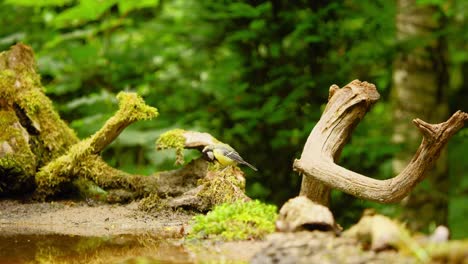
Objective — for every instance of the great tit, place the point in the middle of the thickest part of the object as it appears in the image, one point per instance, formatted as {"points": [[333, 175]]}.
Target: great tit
{"points": [[225, 155]]}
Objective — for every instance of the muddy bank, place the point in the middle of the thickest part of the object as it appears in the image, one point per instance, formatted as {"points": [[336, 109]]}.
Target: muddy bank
{"points": [[83, 219], [77, 232]]}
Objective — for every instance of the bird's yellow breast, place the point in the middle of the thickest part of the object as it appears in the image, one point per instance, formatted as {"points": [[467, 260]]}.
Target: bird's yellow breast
{"points": [[223, 160]]}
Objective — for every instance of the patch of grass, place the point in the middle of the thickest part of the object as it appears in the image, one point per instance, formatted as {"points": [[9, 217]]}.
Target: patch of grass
{"points": [[236, 221]]}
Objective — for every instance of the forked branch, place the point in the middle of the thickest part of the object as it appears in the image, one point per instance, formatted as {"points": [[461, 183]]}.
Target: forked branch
{"points": [[345, 109]]}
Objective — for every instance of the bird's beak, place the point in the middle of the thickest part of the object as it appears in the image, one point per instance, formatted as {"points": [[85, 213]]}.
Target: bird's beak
{"points": [[205, 149]]}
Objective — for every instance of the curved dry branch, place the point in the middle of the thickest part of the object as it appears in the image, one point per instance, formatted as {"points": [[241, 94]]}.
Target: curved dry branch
{"points": [[344, 110]]}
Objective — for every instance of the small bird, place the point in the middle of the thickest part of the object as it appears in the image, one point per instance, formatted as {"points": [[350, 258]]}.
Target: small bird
{"points": [[225, 155]]}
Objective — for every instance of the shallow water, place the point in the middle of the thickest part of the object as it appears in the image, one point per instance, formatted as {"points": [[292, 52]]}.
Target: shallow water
{"points": [[79, 249]]}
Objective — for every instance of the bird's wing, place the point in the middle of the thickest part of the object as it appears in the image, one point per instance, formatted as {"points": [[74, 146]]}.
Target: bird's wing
{"points": [[232, 154]]}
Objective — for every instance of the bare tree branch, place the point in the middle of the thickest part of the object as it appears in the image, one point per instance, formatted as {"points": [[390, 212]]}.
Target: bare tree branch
{"points": [[346, 107]]}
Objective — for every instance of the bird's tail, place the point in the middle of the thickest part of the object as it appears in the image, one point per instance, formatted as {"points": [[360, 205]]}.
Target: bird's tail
{"points": [[250, 165]]}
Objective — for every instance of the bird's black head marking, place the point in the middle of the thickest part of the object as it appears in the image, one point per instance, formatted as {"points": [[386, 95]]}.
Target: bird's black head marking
{"points": [[208, 153]]}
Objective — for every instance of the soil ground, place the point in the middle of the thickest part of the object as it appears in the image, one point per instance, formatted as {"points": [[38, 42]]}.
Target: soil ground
{"points": [[80, 218], [24, 222]]}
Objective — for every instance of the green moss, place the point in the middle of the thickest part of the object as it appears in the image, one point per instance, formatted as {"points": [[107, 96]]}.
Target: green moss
{"points": [[20, 85], [33, 101], [63, 168], [17, 162], [236, 221], [51, 144], [225, 186], [75, 161], [89, 189], [173, 139], [133, 107], [151, 202]]}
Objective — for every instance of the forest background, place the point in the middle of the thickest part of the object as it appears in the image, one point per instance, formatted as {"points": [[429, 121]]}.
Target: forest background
{"points": [[255, 74]]}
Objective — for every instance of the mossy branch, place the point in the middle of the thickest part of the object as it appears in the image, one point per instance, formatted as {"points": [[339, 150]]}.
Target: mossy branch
{"points": [[180, 139], [131, 108]]}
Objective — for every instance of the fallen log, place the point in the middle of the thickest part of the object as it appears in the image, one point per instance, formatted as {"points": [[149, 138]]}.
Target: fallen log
{"points": [[40, 154]]}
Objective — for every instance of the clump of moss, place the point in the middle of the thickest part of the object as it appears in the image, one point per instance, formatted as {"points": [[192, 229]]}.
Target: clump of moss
{"points": [[173, 139], [151, 202], [60, 170], [21, 89], [220, 187], [17, 161], [134, 108], [236, 221]]}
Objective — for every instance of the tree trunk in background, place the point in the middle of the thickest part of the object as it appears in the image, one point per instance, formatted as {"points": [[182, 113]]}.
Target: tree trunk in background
{"points": [[420, 87]]}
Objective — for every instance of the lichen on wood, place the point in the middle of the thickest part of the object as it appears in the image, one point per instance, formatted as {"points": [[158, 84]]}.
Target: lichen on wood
{"points": [[198, 187], [22, 92]]}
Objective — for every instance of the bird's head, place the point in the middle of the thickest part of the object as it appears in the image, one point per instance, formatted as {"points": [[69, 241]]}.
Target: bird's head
{"points": [[208, 153]]}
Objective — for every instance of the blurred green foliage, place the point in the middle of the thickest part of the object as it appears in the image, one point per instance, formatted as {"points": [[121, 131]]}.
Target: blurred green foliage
{"points": [[255, 74]]}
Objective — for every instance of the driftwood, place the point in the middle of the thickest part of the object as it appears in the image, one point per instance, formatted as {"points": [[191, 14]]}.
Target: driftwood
{"points": [[40, 154], [345, 108], [300, 213]]}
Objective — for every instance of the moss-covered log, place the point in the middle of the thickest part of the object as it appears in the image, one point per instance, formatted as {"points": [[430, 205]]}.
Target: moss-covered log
{"points": [[35, 139], [40, 153], [32, 132], [216, 185], [76, 162]]}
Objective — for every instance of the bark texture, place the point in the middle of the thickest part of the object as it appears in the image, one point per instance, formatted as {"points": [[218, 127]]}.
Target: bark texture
{"points": [[345, 109], [420, 87]]}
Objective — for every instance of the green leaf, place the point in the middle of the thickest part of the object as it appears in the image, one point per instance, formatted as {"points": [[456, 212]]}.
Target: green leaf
{"points": [[86, 10], [125, 5], [313, 39], [38, 3], [257, 24]]}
